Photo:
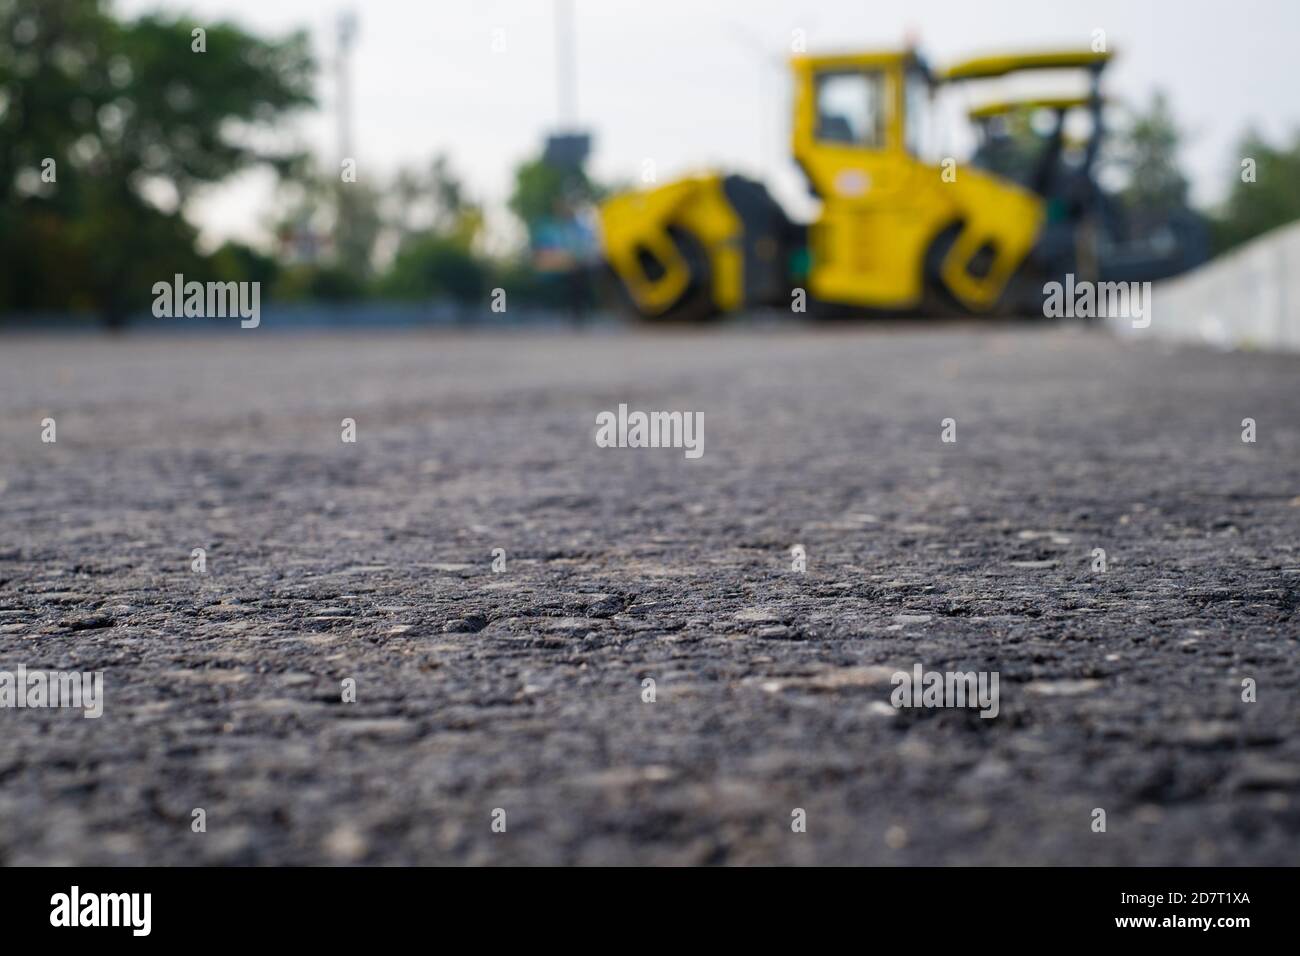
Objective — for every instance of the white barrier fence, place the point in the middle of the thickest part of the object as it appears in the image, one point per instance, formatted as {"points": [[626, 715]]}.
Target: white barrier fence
{"points": [[1249, 298]]}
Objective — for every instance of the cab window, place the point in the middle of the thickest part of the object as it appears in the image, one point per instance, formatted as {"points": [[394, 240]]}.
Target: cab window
{"points": [[851, 108], [918, 138]]}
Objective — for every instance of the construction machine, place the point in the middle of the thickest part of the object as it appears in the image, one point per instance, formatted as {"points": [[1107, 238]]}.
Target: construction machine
{"points": [[897, 231]]}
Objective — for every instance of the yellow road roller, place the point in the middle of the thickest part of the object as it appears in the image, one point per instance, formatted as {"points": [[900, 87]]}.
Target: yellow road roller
{"points": [[896, 232]]}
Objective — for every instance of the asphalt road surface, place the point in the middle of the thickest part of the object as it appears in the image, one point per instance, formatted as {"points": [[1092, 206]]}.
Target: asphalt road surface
{"points": [[523, 690]]}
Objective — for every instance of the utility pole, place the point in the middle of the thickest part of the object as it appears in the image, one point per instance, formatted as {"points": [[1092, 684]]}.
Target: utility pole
{"points": [[343, 231], [568, 146], [565, 67], [347, 35]]}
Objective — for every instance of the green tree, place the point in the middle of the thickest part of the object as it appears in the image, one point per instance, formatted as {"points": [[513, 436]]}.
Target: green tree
{"points": [[1263, 194], [319, 282], [432, 200], [134, 120], [436, 230], [430, 265], [319, 203], [541, 189], [237, 262], [1146, 151]]}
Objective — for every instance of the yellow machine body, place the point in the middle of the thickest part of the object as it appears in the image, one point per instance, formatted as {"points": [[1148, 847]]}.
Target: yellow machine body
{"points": [[638, 244], [883, 208]]}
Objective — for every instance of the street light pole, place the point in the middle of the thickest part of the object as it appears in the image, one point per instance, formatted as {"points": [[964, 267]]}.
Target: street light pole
{"points": [[565, 66], [347, 34]]}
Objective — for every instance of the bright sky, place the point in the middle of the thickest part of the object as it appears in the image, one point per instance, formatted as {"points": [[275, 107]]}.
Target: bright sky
{"points": [[692, 83]]}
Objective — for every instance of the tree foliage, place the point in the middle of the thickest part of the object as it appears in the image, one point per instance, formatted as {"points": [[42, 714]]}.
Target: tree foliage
{"points": [[1147, 154], [1264, 193], [541, 189], [436, 230], [134, 119]]}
